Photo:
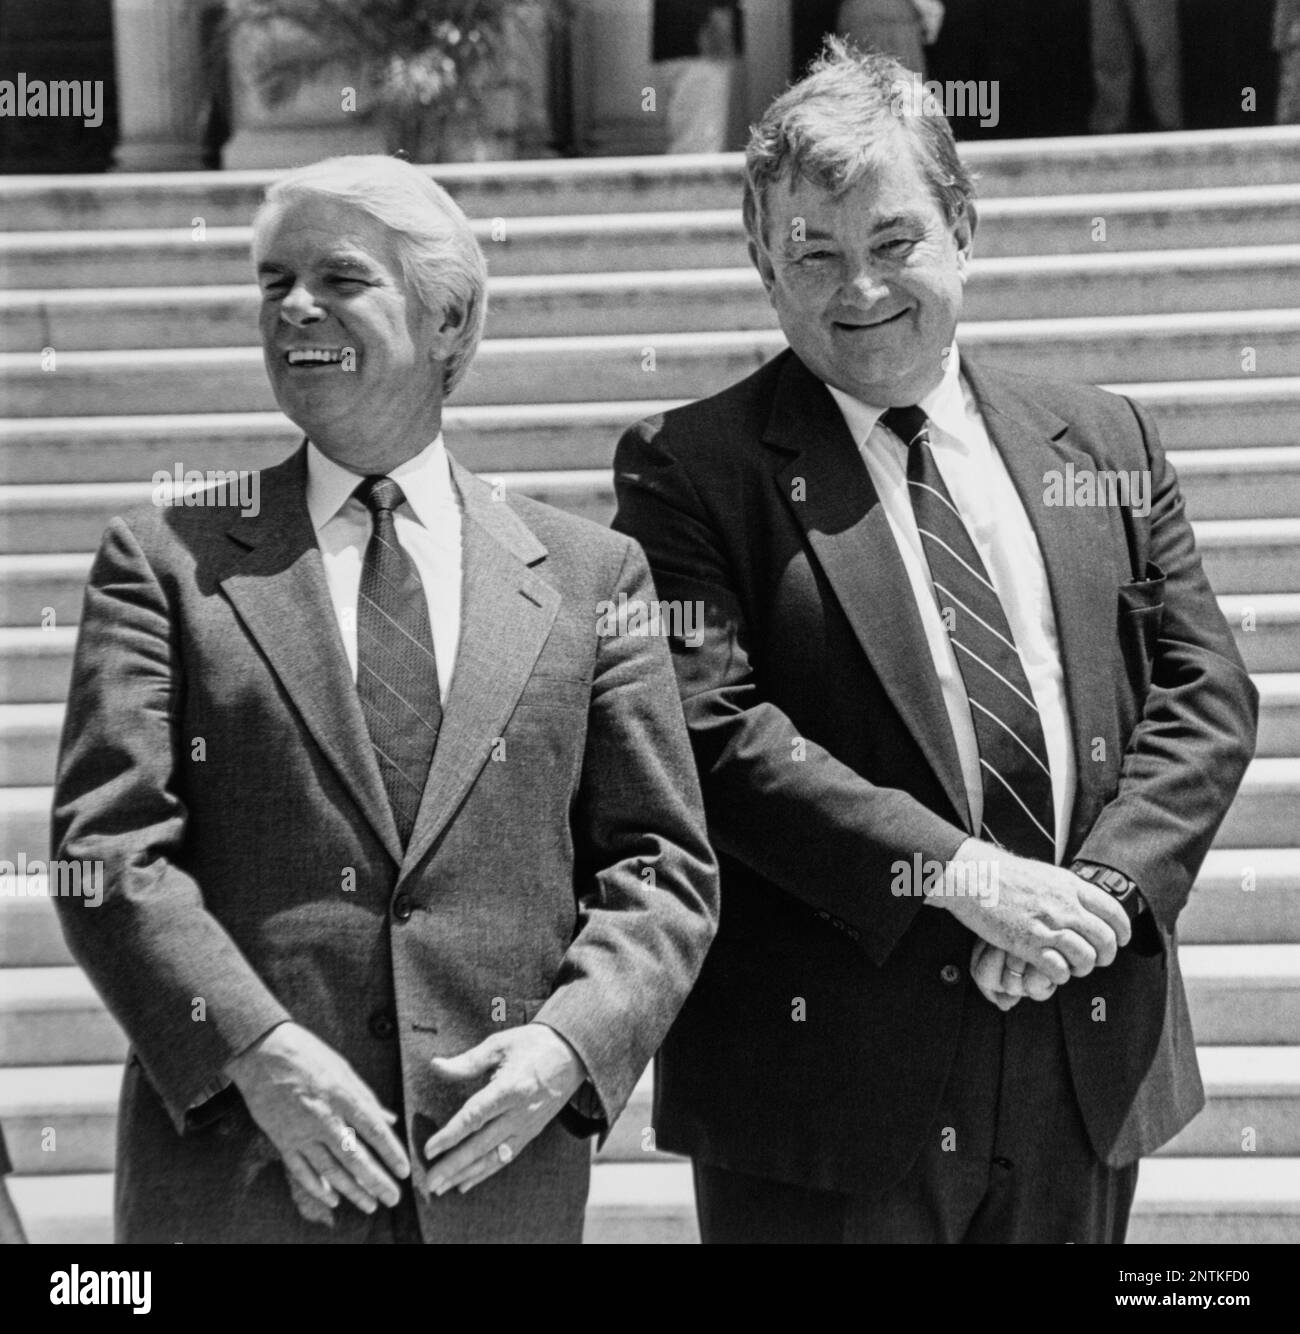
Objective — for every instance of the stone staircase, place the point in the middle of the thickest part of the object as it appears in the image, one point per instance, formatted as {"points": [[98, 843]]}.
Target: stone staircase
{"points": [[1165, 265]]}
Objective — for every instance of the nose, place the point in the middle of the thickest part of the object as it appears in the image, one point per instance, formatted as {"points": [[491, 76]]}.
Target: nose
{"points": [[866, 284], [300, 306]]}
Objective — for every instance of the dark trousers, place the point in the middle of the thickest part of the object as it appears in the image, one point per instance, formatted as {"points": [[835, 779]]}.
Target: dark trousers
{"points": [[1007, 1160]]}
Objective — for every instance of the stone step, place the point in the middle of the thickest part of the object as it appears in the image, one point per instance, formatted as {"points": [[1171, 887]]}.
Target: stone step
{"points": [[53, 1016], [1250, 557], [36, 665], [1279, 717], [63, 1119], [1217, 1201], [1264, 813], [61, 516], [1208, 1201], [1252, 1105], [42, 592], [1267, 629], [1242, 414], [1077, 224], [1243, 896], [675, 301], [1245, 483], [636, 184], [1219, 485], [504, 437], [1239, 995], [1208, 345]]}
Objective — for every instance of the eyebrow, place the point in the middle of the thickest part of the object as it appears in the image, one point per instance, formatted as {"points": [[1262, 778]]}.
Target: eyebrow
{"points": [[881, 225], [342, 262]]}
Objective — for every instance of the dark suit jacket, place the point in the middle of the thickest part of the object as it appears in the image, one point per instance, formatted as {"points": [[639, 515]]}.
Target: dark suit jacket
{"points": [[216, 758], [826, 755]]}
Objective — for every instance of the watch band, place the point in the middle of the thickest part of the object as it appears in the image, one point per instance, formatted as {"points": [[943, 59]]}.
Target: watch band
{"points": [[1123, 890]]}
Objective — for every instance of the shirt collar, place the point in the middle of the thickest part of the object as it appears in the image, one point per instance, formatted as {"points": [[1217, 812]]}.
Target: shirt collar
{"points": [[425, 480], [946, 405]]}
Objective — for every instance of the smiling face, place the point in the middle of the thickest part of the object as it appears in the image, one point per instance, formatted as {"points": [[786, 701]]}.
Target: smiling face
{"points": [[354, 356], [867, 284]]}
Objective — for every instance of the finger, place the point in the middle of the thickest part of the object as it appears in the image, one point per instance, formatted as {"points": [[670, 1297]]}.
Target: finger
{"points": [[488, 1151], [1054, 965], [310, 1180], [1012, 980], [1038, 986], [361, 1166], [1075, 950], [477, 1111], [367, 1117], [986, 968], [338, 1176], [480, 1060], [487, 1166], [1105, 906], [308, 1206]]}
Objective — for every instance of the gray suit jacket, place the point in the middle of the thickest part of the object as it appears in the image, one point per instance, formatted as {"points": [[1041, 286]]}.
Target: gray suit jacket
{"points": [[216, 759]]}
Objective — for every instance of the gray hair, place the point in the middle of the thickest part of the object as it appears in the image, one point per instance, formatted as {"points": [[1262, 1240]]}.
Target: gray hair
{"points": [[832, 125], [440, 257]]}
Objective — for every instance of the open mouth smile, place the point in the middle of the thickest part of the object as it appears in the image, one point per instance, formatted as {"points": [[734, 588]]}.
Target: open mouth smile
{"points": [[314, 356]]}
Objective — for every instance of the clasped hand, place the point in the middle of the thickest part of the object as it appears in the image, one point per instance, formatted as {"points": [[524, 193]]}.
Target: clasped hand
{"points": [[1043, 926]]}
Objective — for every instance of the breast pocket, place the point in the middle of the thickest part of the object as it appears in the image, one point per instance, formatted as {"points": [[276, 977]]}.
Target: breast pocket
{"points": [[1141, 614]]}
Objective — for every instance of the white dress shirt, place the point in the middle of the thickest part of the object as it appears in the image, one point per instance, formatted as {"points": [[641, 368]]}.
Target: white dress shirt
{"points": [[428, 524], [983, 492]]}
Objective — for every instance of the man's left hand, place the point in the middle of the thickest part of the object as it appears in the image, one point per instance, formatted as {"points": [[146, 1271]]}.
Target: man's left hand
{"points": [[533, 1072]]}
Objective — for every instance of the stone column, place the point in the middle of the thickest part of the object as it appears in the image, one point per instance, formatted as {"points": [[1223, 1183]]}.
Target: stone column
{"points": [[325, 115], [767, 53], [160, 84], [611, 70]]}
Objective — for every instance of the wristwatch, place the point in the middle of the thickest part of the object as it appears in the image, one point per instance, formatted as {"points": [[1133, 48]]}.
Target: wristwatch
{"points": [[1123, 890]]}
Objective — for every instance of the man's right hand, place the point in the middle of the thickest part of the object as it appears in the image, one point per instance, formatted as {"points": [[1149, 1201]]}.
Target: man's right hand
{"points": [[320, 1115], [1043, 914]]}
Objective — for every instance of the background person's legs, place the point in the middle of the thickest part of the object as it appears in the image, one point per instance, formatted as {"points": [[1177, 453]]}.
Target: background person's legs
{"points": [[891, 26], [1111, 40], [1156, 24]]}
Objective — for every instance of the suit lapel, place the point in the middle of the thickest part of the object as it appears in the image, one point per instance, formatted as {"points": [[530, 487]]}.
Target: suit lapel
{"points": [[277, 586], [1033, 441], [849, 533], [507, 610]]}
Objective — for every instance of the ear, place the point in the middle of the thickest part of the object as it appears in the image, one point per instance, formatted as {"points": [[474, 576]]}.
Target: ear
{"points": [[446, 326], [963, 233]]}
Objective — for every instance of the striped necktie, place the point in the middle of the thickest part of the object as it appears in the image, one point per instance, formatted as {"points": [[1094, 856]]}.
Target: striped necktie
{"points": [[397, 673], [1016, 780]]}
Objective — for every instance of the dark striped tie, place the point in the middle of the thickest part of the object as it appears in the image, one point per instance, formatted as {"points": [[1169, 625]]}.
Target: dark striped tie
{"points": [[397, 673], [1017, 783]]}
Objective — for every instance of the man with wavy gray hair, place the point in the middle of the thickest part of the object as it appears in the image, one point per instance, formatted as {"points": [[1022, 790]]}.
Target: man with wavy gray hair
{"points": [[963, 746], [405, 866]]}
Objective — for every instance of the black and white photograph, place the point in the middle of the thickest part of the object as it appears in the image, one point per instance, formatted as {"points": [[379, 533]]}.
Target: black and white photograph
{"points": [[650, 622]]}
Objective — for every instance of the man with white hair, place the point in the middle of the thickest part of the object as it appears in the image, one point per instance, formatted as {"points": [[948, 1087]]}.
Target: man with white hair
{"points": [[405, 866]]}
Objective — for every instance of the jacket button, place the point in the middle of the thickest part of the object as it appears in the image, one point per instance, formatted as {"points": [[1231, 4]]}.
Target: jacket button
{"points": [[950, 974], [403, 907], [382, 1024]]}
